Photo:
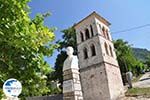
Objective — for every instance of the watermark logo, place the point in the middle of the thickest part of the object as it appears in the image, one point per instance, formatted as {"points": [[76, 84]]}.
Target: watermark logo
{"points": [[12, 88]]}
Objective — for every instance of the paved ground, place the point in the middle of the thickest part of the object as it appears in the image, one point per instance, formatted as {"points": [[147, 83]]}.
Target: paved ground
{"points": [[134, 98], [144, 81]]}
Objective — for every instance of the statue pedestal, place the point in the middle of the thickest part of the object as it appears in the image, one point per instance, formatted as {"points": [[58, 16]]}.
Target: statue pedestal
{"points": [[71, 85]]}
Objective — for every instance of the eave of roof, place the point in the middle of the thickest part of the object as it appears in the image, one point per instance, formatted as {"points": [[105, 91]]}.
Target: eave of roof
{"points": [[103, 20]]}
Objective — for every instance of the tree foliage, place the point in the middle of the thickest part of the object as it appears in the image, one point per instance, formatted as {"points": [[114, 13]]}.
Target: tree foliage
{"points": [[124, 55], [69, 39], [23, 44], [141, 54], [126, 58], [57, 75], [147, 63]]}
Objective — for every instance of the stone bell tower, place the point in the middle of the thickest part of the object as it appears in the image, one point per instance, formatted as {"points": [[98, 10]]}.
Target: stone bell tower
{"points": [[99, 70]]}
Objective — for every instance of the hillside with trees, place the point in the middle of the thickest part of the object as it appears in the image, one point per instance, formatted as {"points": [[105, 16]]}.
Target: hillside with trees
{"points": [[141, 54]]}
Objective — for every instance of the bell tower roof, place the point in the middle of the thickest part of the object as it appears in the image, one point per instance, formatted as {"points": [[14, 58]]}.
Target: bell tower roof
{"points": [[103, 20]]}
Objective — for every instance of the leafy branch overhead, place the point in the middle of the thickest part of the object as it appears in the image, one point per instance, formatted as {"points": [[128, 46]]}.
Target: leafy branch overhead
{"points": [[24, 42], [69, 39]]}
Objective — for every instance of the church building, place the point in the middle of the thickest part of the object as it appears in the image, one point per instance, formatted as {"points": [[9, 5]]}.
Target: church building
{"points": [[99, 69]]}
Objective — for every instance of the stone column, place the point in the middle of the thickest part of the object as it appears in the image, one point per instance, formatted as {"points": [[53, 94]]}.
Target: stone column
{"points": [[71, 85]]}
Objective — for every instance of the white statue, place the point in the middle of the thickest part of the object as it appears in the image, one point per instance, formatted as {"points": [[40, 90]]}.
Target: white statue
{"points": [[71, 61]]}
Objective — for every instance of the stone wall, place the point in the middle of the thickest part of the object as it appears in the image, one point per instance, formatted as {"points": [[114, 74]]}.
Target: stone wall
{"points": [[94, 83], [116, 88], [53, 97], [71, 85]]}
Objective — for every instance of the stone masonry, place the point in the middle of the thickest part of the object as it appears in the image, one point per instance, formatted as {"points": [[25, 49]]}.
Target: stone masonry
{"points": [[71, 85], [99, 70]]}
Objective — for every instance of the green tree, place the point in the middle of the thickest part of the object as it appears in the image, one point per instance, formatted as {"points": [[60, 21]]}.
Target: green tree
{"points": [[24, 42], [69, 39], [125, 56], [126, 59], [57, 75], [147, 63]]}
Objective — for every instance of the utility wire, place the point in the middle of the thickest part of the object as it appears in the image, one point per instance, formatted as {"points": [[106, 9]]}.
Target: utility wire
{"points": [[130, 29]]}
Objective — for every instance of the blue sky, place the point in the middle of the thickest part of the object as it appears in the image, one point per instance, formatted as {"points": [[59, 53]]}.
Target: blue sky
{"points": [[122, 14]]}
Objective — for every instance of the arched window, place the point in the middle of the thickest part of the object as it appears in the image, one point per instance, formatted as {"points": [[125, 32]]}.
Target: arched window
{"points": [[93, 51], [103, 30], [107, 35], [85, 52], [87, 34], [111, 52], [100, 27], [91, 30], [82, 38], [106, 48]]}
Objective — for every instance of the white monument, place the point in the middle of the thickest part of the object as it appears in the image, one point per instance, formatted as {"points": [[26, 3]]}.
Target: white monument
{"points": [[71, 61], [71, 83]]}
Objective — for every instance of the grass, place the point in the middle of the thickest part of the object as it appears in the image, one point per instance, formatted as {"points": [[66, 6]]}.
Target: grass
{"points": [[138, 92], [137, 78]]}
